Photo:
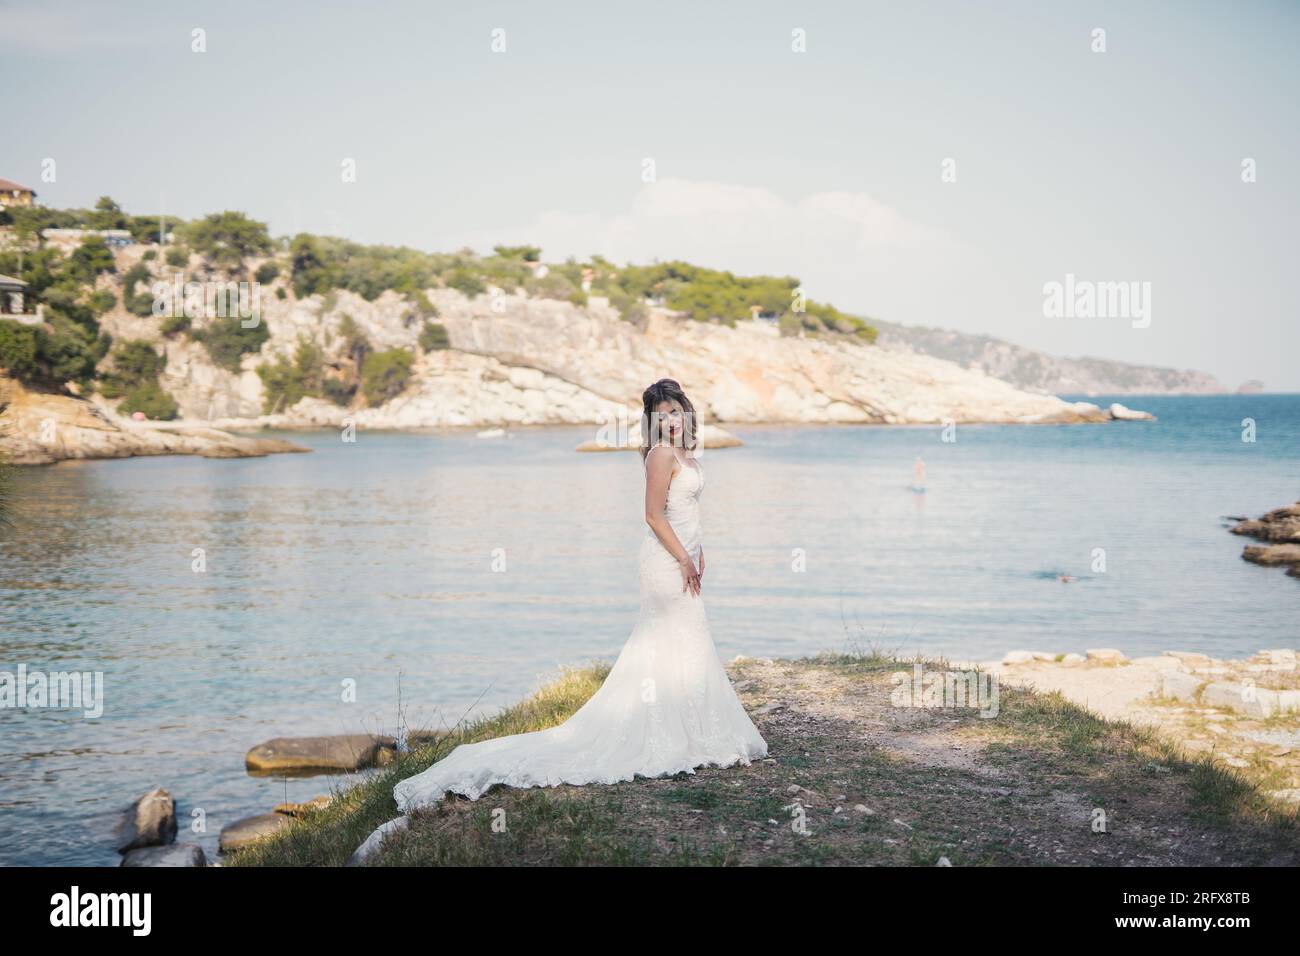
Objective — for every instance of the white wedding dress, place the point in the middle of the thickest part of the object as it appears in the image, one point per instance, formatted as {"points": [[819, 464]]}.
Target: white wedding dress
{"points": [[667, 705]]}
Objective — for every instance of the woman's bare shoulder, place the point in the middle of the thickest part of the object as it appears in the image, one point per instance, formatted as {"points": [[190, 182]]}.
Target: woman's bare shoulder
{"points": [[660, 456]]}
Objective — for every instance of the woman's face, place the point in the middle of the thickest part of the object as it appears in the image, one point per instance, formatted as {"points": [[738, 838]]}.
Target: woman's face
{"points": [[671, 421]]}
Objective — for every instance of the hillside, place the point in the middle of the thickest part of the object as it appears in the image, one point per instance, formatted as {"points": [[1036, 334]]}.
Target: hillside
{"points": [[1038, 372], [228, 326]]}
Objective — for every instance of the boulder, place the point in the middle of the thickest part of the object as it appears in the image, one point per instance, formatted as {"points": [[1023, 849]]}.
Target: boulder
{"points": [[1122, 413], [250, 830], [1179, 685], [1272, 555], [149, 821], [342, 752], [178, 854], [1105, 655]]}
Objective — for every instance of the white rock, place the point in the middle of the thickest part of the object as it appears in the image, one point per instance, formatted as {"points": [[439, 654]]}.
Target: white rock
{"points": [[1122, 413]]}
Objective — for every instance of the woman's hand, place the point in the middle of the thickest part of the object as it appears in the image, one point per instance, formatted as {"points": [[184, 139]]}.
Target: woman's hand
{"points": [[690, 577], [701, 563]]}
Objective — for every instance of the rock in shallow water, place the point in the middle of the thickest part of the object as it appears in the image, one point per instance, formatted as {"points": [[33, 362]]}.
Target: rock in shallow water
{"points": [[149, 822], [250, 830], [302, 754], [178, 854]]}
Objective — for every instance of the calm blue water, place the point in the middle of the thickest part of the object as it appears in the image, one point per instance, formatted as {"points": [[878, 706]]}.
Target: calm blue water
{"points": [[373, 562]]}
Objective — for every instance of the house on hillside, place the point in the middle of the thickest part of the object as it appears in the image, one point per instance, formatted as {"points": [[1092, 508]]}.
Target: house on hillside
{"points": [[13, 302], [15, 194], [69, 239]]}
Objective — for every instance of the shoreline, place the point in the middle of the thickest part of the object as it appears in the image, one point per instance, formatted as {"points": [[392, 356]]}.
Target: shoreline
{"points": [[90, 431], [892, 784], [1183, 709]]}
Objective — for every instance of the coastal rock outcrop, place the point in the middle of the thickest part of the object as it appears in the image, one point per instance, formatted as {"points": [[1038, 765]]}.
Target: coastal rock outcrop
{"points": [[519, 359], [38, 428], [1280, 529]]}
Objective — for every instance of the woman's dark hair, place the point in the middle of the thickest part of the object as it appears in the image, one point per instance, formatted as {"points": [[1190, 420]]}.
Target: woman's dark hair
{"points": [[664, 390]]}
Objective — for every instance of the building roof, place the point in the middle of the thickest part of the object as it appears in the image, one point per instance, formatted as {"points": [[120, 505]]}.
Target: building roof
{"points": [[11, 282], [8, 186]]}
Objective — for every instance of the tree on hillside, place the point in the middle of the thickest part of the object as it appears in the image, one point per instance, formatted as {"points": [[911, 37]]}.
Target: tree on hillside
{"points": [[90, 259], [107, 215], [527, 253], [228, 238]]}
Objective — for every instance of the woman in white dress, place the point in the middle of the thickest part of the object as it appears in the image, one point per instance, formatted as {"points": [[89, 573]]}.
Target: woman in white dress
{"points": [[667, 705]]}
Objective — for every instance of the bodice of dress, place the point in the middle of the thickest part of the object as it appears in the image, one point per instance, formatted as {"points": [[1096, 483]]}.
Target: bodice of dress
{"points": [[682, 508]]}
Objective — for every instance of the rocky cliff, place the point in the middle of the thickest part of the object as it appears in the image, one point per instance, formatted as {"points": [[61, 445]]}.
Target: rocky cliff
{"points": [[515, 359]]}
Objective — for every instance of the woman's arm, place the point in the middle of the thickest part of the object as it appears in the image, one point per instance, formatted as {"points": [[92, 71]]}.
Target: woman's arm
{"points": [[658, 474]]}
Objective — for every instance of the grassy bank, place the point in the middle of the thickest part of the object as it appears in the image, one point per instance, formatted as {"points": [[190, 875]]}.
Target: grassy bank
{"points": [[1042, 783]]}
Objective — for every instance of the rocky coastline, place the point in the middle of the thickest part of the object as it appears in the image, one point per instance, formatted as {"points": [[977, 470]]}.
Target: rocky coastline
{"points": [[509, 359], [1244, 714], [39, 428], [1280, 532]]}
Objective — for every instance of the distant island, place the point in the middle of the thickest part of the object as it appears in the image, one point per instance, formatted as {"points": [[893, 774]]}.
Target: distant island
{"points": [[215, 322], [1039, 372]]}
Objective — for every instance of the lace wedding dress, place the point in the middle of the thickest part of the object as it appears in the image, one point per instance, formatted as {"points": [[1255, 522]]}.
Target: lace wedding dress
{"points": [[667, 705]]}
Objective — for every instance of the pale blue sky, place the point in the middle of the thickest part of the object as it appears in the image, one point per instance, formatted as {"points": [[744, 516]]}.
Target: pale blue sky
{"points": [[1123, 165]]}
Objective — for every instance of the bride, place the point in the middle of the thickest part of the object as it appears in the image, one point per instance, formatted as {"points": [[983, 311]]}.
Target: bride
{"points": [[667, 705]]}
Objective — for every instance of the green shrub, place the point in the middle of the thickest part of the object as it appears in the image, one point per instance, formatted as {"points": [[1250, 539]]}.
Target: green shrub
{"points": [[526, 253], [466, 282], [152, 401], [70, 351], [423, 305], [178, 257], [135, 364], [18, 349], [338, 391], [91, 258], [228, 238], [385, 374], [434, 336], [175, 324], [309, 272], [227, 340], [266, 273], [555, 285], [137, 303], [286, 383]]}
